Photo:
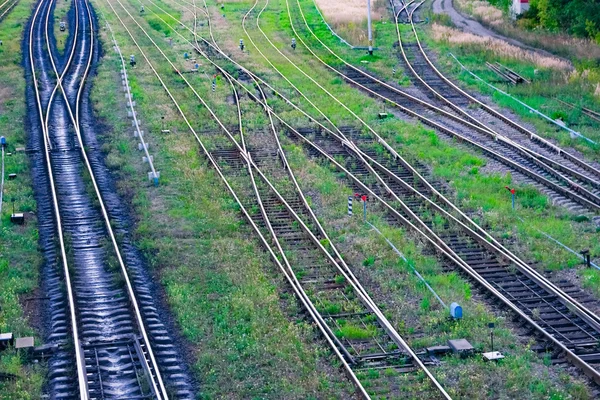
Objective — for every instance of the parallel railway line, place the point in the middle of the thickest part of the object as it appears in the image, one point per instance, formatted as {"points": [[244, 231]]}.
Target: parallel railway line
{"points": [[549, 295], [112, 324], [294, 229], [444, 92], [6, 7], [548, 173]]}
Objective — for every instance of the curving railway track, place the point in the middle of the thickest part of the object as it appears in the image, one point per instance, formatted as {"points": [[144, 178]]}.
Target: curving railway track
{"points": [[559, 320], [291, 233], [562, 180], [574, 170], [110, 340]]}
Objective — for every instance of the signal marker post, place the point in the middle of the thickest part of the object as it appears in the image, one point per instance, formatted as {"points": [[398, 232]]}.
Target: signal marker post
{"points": [[512, 192], [350, 205], [369, 27]]}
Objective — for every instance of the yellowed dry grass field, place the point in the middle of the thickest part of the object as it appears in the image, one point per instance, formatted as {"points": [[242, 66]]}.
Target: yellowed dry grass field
{"points": [[339, 12], [499, 47]]}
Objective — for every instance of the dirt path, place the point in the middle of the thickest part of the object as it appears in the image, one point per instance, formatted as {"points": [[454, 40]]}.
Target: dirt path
{"points": [[470, 25]]}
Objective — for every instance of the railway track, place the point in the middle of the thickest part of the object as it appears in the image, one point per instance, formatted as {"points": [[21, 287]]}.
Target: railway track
{"points": [[443, 92], [517, 285], [291, 233], [561, 182], [110, 329], [6, 7]]}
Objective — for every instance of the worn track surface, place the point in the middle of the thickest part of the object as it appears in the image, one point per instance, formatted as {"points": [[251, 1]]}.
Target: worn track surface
{"points": [[114, 352]]}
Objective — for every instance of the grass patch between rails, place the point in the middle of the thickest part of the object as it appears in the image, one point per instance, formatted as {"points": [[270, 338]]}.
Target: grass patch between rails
{"points": [[19, 256], [62, 10]]}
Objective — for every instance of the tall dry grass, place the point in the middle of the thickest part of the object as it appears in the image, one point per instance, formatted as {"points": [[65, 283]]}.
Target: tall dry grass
{"points": [[523, 30], [340, 12], [483, 10], [497, 46]]}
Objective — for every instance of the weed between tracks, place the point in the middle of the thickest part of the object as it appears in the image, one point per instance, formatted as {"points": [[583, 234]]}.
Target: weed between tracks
{"points": [[19, 256], [214, 277], [62, 13]]}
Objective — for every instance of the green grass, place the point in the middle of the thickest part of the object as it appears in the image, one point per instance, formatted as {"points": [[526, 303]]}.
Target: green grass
{"points": [[353, 332], [19, 256], [61, 9]]}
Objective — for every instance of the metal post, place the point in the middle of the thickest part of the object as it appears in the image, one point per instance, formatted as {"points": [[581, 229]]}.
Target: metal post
{"points": [[350, 205], [365, 210], [369, 27], [513, 201]]}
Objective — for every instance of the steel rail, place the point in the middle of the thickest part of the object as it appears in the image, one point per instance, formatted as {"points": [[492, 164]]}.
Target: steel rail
{"points": [[594, 205], [367, 300], [523, 149], [7, 10], [387, 326], [556, 187], [60, 76], [352, 279], [488, 109], [1, 183], [488, 238], [159, 386], [534, 157], [76, 124], [298, 290], [574, 358], [268, 108], [570, 355], [475, 126], [79, 359], [582, 311], [494, 245]]}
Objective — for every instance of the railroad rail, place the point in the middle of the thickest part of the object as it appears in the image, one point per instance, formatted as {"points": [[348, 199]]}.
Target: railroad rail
{"points": [[293, 227], [6, 7], [580, 319], [114, 349], [469, 133], [444, 90], [595, 115]]}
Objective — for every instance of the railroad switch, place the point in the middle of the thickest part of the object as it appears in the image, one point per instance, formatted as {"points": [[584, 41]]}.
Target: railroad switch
{"points": [[294, 43], [242, 44], [142, 9], [63, 26], [132, 61]]}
